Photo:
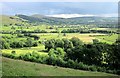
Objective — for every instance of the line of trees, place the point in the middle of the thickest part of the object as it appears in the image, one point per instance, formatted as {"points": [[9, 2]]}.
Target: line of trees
{"points": [[86, 31], [99, 54], [7, 43], [75, 54]]}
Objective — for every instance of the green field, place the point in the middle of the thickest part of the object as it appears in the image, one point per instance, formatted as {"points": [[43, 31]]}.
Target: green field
{"points": [[26, 50], [12, 67], [16, 42], [84, 37], [108, 38]]}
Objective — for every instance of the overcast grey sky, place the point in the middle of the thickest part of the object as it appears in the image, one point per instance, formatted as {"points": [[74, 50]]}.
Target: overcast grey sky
{"points": [[51, 8]]}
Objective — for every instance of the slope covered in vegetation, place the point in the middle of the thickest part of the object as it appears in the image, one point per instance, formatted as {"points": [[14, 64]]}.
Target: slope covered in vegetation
{"points": [[22, 68]]}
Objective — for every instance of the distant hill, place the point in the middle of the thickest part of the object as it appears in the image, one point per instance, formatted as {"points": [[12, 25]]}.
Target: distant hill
{"points": [[8, 20], [40, 19], [70, 21]]}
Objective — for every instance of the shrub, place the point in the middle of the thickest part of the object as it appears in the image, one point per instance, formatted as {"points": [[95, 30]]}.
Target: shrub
{"points": [[92, 68], [82, 66], [20, 35], [76, 41], [100, 69], [41, 59], [34, 57], [13, 56], [26, 57], [58, 53], [49, 44], [51, 61], [60, 62], [85, 67], [13, 52], [35, 54], [44, 59], [6, 55], [4, 44], [35, 44], [110, 71], [70, 63]]}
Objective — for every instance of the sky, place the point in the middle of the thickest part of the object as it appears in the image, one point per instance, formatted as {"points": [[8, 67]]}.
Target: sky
{"points": [[57, 9], [59, 0]]}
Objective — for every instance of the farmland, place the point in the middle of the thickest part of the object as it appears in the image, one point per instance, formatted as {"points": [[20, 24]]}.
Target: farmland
{"points": [[61, 44]]}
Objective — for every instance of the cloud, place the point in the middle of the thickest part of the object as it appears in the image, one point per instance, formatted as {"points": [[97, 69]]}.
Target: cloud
{"points": [[52, 8], [80, 15], [70, 15]]}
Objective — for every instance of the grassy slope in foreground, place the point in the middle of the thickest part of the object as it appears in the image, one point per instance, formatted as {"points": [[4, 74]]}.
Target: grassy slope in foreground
{"points": [[11, 67]]}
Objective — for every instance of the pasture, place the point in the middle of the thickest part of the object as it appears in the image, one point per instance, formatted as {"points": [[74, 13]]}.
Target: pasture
{"points": [[84, 37], [9, 66], [19, 51], [108, 38]]}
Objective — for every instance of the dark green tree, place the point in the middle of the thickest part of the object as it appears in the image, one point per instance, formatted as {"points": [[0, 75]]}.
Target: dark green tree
{"points": [[76, 41], [49, 44], [67, 44], [59, 43], [29, 42]]}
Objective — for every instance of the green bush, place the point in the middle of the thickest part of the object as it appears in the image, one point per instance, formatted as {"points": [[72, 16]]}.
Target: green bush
{"points": [[4, 44], [33, 57], [13, 52], [6, 55], [42, 59], [60, 62], [35, 44], [110, 71], [101, 69], [92, 68], [26, 57], [81, 65], [70, 63], [52, 60], [13, 56]]}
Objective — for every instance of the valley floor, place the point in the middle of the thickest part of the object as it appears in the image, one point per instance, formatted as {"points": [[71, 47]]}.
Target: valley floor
{"points": [[11, 67]]}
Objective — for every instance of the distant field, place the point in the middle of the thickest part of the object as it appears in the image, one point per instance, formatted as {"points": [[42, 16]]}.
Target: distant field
{"points": [[84, 37], [26, 50], [108, 38], [108, 29], [87, 38], [12, 67]]}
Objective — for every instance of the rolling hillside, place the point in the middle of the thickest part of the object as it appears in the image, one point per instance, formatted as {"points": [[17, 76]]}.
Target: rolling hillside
{"points": [[23, 68], [11, 20], [40, 19], [70, 21]]}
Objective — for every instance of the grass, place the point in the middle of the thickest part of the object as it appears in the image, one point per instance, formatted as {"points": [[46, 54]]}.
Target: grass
{"points": [[108, 38], [6, 19], [12, 67], [26, 50], [84, 37], [23, 68], [108, 29]]}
